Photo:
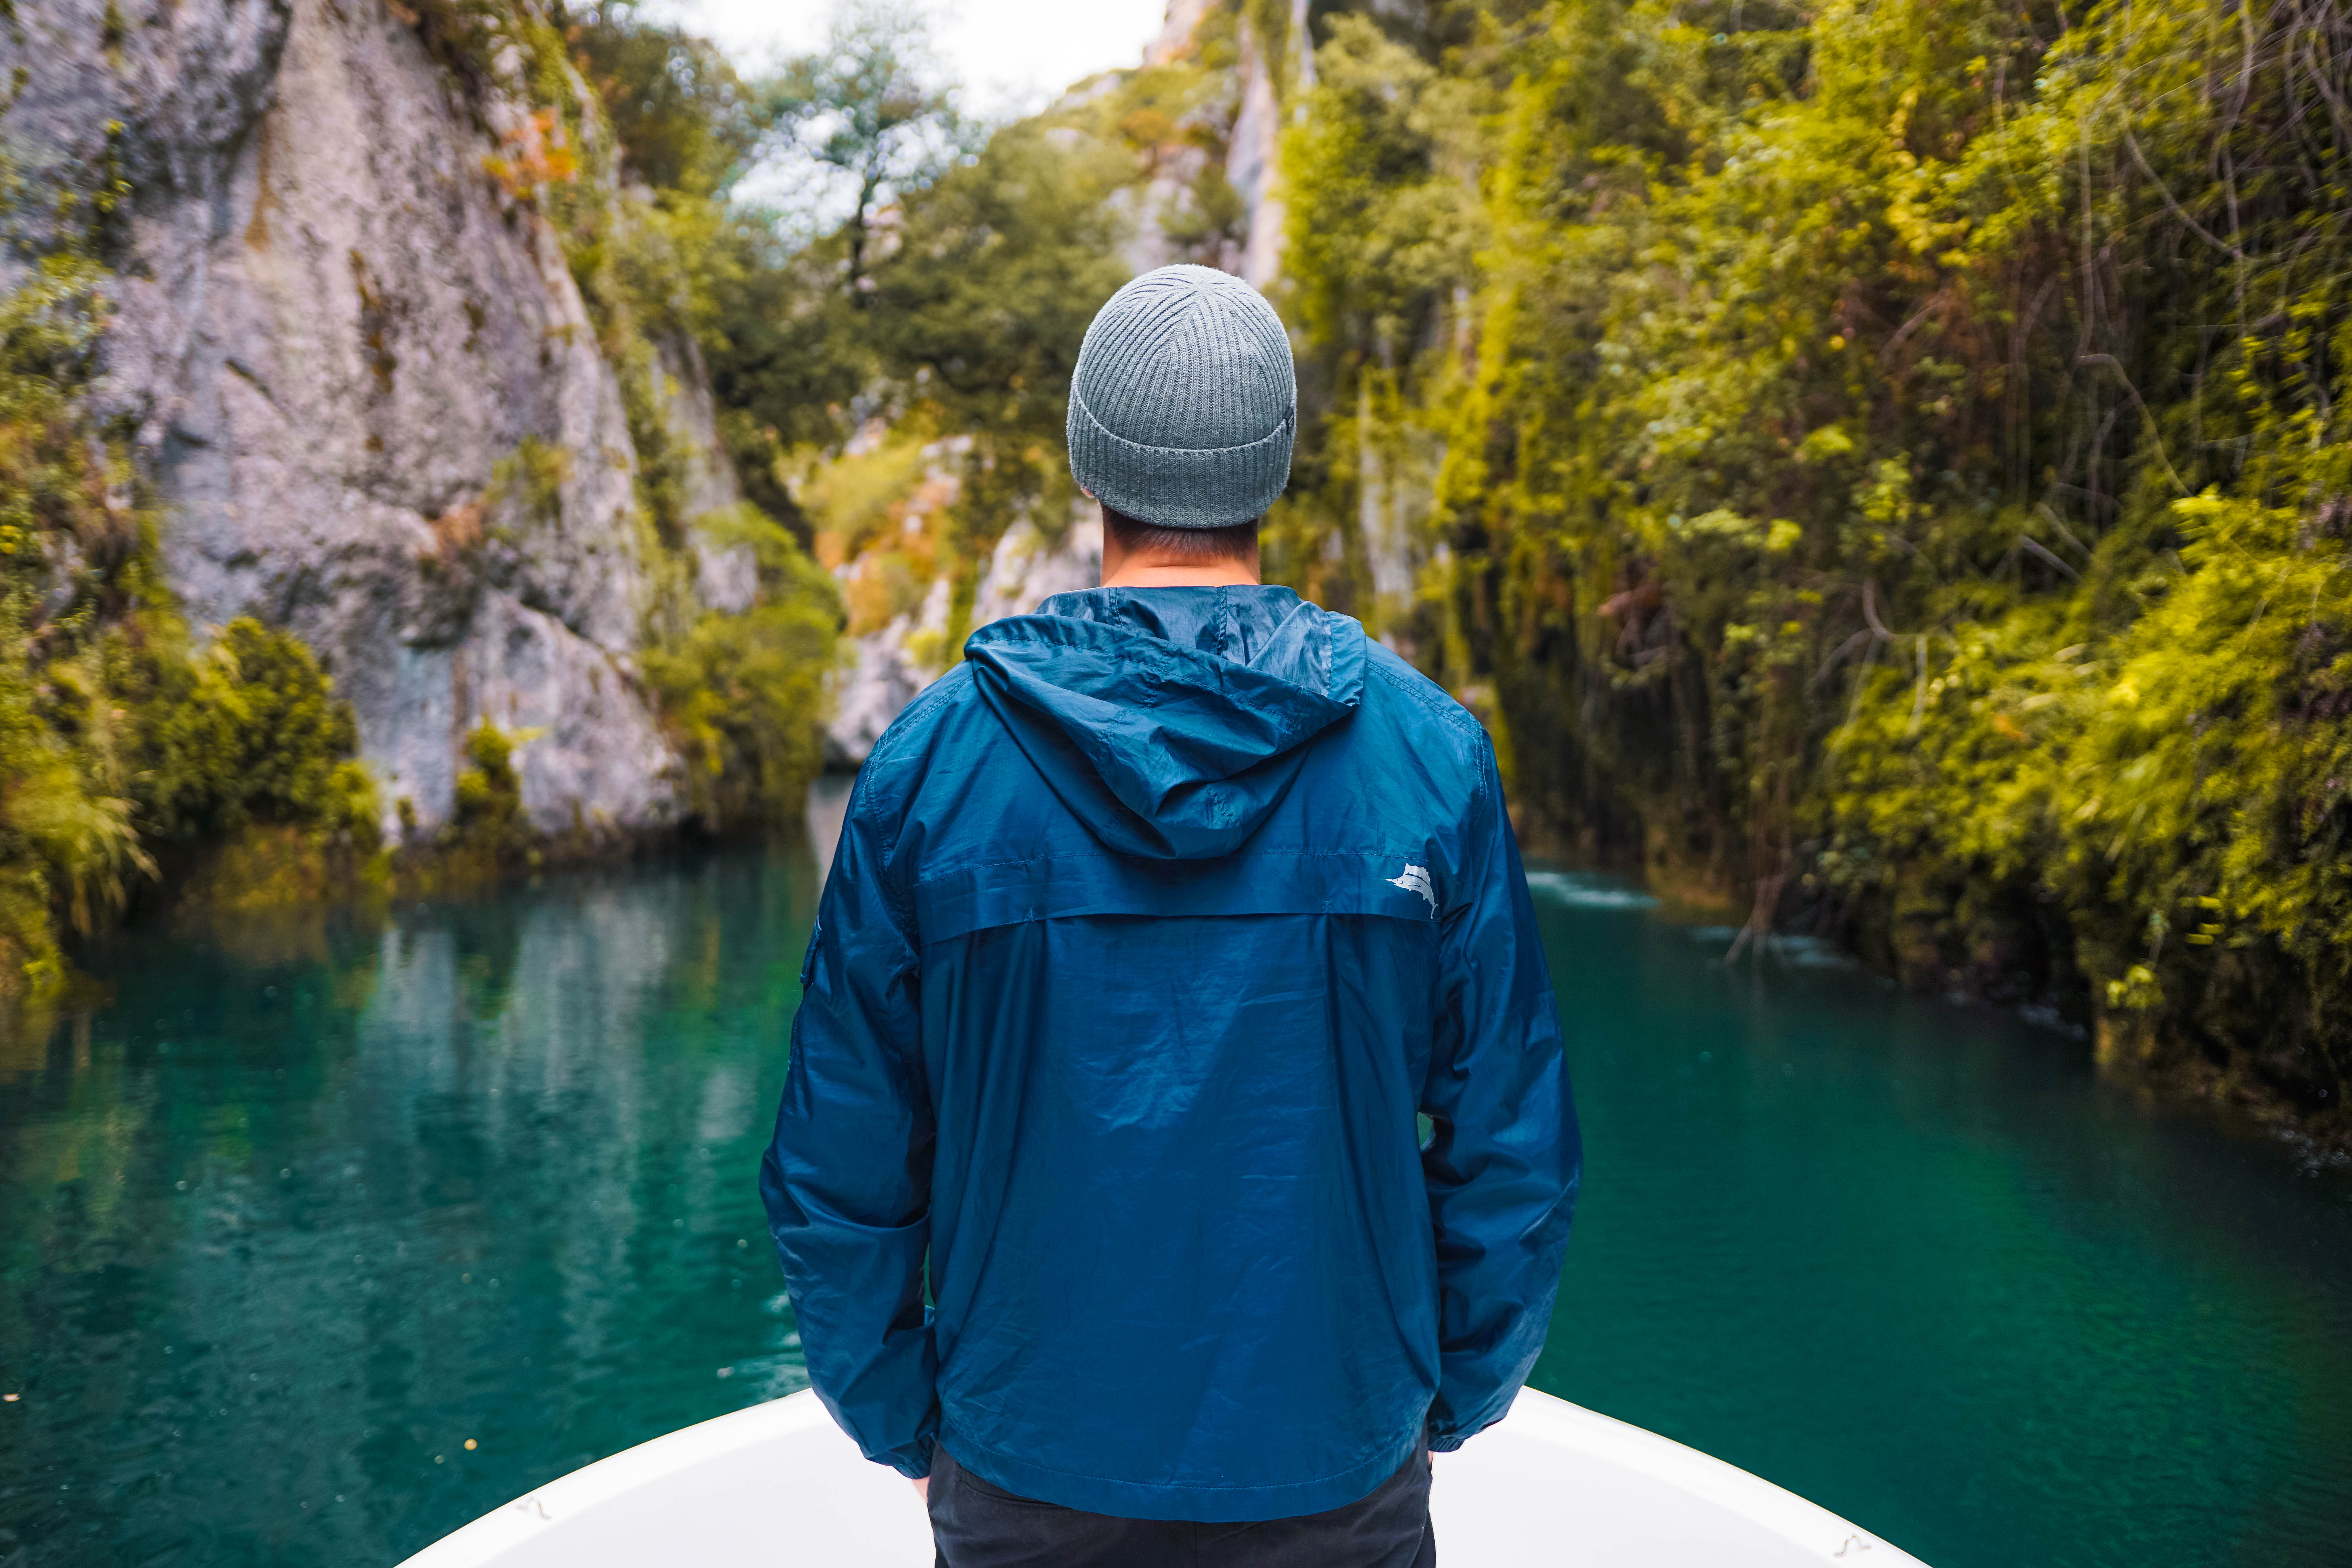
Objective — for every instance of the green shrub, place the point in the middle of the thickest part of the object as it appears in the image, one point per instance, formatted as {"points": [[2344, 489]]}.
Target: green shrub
{"points": [[743, 695], [119, 746], [250, 730], [488, 818], [1884, 461]]}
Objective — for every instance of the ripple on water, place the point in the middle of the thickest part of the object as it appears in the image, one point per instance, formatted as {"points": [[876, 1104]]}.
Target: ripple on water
{"points": [[1587, 890]]}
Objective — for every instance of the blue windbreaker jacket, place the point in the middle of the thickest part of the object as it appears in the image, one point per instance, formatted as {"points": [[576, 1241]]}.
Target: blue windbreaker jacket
{"points": [[1152, 927]]}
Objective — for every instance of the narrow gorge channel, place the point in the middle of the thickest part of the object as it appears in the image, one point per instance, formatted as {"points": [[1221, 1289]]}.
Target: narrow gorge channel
{"points": [[309, 1210]]}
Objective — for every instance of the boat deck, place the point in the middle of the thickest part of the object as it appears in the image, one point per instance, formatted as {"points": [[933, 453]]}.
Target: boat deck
{"points": [[779, 1485]]}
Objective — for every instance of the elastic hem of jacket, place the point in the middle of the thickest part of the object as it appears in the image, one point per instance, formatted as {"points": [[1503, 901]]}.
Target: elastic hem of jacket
{"points": [[913, 1460], [1448, 1443], [1198, 1504]]}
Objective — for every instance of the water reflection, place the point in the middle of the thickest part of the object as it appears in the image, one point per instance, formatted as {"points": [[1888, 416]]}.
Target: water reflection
{"points": [[828, 809], [283, 1232], [313, 1203], [1924, 1267]]}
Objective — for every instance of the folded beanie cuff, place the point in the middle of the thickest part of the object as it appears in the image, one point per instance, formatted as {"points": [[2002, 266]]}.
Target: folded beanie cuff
{"points": [[1180, 487], [1179, 372]]}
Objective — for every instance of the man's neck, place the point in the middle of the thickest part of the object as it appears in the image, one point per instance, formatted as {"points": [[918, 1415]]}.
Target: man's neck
{"points": [[1180, 575], [1150, 569]]}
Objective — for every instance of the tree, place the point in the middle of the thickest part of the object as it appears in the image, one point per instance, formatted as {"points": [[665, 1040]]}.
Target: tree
{"points": [[868, 115], [686, 121]]}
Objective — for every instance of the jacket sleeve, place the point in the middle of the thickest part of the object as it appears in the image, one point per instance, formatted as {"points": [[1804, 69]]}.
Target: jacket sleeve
{"points": [[847, 1180], [1504, 1160]]}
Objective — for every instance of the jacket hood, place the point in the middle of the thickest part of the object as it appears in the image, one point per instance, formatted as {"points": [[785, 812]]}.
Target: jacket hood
{"points": [[1171, 721]]}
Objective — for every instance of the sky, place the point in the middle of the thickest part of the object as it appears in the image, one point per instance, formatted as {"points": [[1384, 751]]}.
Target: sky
{"points": [[1012, 56]]}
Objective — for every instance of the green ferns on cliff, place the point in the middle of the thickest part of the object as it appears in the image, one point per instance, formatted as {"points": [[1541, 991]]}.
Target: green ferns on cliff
{"points": [[1885, 460], [121, 744]]}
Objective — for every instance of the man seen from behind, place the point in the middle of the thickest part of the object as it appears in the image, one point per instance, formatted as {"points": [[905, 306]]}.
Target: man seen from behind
{"points": [[1155, 927]]}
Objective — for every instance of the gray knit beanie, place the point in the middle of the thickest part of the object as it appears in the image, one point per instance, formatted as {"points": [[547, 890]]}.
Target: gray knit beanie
{"points": [[1184, 406]]}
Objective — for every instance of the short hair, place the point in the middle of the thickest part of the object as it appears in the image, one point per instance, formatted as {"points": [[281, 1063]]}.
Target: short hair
{"points": [[1234, 542]]}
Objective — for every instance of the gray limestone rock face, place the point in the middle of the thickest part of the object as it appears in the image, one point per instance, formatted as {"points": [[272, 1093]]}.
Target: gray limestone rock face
{"points": [[886, 672], [368, 389], [1245, 116], [727, 576], [1250, 163], [1025, 570]]}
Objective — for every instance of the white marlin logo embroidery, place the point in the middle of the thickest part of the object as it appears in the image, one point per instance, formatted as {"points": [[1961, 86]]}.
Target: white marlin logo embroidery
{"points": [[1416, 880]]}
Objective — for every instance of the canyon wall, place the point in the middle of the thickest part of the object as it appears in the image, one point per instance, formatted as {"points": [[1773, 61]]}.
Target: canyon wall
{"points": [[366, 388]]}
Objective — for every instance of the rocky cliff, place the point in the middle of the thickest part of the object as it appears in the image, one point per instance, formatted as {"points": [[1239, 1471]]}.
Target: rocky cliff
{"points": [[365, 385], [376, 409], [887, 668]]}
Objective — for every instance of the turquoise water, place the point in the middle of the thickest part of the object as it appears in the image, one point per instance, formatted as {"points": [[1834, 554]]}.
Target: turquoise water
{"points": [[309, 1205]]}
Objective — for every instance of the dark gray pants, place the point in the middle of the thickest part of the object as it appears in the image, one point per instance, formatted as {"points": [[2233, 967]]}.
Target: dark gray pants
{"points": [[977, 1525]]}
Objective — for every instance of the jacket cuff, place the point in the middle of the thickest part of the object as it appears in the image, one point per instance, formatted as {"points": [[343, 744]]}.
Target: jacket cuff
{"points": [[914, 1461], [1448, 1443]]}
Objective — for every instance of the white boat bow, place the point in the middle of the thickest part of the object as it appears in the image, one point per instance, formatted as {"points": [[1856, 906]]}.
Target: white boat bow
{"points": [[780, 1485]]}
